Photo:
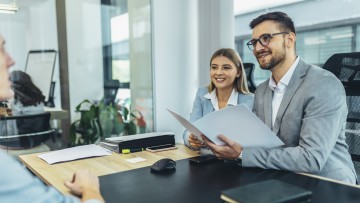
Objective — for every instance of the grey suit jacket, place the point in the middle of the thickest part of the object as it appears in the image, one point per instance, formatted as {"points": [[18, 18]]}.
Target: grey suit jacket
{"points": [[203, 106], [310, 121]]}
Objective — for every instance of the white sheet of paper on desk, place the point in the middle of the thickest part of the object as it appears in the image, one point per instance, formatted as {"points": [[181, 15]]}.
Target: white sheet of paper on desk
{"points": [[74, 153], [238, 123], [135, 160]]}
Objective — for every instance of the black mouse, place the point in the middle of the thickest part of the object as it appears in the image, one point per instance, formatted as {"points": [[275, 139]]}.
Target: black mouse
{"points": [[163, 164]]}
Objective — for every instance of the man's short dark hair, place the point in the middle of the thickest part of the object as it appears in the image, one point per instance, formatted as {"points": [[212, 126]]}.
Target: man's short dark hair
{"points": [[285, 22]]}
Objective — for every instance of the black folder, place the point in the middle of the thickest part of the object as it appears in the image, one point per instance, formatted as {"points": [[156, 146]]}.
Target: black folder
{"points": [[270, 191], [139, 143]]}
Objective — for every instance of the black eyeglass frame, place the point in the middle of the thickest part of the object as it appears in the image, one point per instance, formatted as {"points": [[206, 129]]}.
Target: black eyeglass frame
{"points": [[252, 43]]}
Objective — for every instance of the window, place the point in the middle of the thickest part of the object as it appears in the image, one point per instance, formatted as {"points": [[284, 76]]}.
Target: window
{"points": [[357, 37]]}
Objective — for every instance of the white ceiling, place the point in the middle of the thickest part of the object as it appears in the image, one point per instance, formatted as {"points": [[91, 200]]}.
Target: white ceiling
{"points": [[246, 6]]}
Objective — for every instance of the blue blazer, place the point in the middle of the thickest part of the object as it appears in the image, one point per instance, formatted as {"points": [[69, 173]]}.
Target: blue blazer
{"points": [[203, 106]]}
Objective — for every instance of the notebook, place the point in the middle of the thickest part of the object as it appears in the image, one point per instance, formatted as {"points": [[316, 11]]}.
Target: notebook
{"points": [[270, 191]]}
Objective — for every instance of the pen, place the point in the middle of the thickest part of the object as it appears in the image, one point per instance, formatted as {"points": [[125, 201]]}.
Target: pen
{"points": [[127, 151]]}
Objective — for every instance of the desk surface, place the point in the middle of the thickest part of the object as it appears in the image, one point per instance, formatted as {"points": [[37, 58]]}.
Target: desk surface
{"points": [[56, 174], [121, 180], [57, 113], [203, 183]]}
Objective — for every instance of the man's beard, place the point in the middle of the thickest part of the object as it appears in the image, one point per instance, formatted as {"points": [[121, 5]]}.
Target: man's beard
{"points": [[274, 61]]}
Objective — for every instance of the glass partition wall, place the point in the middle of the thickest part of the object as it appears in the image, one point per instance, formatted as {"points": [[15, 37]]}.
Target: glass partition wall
{"points": [[103, 47], [126, 37]]}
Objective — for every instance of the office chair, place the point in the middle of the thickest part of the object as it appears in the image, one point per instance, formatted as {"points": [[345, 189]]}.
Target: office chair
{"points": [[346, 67], [249, 70], [25, 132], [110, 91]]}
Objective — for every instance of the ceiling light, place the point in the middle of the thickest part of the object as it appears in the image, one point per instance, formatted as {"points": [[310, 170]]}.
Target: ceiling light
{"points": [[9, 8]]}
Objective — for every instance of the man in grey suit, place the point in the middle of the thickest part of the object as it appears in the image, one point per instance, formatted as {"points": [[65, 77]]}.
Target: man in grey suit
{"points": [[304, 105]]}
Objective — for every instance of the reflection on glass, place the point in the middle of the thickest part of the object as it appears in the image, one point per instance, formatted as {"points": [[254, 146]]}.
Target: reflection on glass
{"points": [[127, 56]]}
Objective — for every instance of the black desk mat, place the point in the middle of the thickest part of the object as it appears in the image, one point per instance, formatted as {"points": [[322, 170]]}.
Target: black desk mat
{"points": [[204, 183]]}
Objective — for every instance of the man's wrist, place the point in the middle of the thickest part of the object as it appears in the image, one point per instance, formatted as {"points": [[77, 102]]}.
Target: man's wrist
{"points": [[238, 160]]}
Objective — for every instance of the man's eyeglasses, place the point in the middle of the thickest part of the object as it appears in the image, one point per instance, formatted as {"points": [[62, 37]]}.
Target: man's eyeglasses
{"points": [[263, 39]]}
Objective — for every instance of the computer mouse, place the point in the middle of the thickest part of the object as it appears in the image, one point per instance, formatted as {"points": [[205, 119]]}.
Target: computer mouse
{"points": [[163, 164]]}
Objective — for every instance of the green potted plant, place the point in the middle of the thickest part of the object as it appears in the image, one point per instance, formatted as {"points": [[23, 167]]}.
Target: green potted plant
{"points": [[99, 121], [128, 119], [87, 129], [110, 119]]}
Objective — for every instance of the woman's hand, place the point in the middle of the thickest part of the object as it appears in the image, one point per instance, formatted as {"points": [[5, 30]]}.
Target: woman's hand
{"points": [[195, 143]]}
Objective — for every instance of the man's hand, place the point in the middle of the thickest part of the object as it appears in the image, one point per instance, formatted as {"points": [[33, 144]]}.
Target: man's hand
{"points": [[195, 143], [231, 150], [85, 184]]}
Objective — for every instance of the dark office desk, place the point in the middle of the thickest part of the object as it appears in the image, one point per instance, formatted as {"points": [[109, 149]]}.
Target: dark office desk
{"points": [[204, 183]]}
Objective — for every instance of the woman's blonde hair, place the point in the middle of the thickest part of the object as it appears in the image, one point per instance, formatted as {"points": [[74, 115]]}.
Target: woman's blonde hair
{"points": [[240, 83]]}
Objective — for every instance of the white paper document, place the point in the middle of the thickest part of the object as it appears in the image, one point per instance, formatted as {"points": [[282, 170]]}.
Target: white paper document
{"points": [[74, 153], [238, 123]]}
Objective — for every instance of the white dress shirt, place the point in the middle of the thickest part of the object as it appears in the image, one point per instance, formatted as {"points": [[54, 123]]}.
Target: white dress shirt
{"points": [[279, 89], [232, 101]]}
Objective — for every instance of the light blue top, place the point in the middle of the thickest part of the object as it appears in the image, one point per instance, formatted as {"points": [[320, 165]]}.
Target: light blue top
{"points": [[18, 185], [202, 106], [19, 109]]}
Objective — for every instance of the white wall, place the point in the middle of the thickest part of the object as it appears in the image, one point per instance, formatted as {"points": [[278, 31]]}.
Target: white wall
{"points": [[185, 34], [85, 58], [175, 60], [13, 29]]}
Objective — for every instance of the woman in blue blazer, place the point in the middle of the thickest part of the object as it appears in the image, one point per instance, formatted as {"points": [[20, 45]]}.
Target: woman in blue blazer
{"points": [[228, 87]]}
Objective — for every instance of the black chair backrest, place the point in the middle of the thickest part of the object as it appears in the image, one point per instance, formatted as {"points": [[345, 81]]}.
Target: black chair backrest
{"points": [[110, 91], [249, 70], [346, 67], [25, 131]]}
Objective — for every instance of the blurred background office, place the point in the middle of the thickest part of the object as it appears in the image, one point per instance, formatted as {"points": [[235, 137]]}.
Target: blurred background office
{"points": [[155, 53]]}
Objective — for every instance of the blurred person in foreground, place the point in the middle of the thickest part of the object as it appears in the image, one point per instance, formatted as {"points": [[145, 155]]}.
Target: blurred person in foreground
{"points": [[19, 185]]}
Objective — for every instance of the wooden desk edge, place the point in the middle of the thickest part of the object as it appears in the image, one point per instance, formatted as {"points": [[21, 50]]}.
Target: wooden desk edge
{"points": [[23, 161]]}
